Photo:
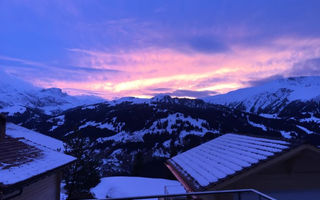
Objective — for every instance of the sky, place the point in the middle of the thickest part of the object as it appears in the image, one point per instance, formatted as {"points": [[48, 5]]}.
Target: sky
{"points": [[141, 48]]}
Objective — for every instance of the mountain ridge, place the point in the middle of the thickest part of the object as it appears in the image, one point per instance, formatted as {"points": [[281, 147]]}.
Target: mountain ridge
{"points": [[16, 96], [271, 97], [160, 127]]}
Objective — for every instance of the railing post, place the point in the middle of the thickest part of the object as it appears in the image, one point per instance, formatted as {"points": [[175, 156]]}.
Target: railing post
{"points": [[239, 195]]}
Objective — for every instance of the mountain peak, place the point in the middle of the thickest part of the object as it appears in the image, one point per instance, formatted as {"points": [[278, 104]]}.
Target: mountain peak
{"points": [[54, 91], [16, 95], [161, 98], [273, 95]]}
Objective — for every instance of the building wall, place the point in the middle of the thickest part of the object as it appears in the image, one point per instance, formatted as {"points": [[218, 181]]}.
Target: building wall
{"points": [[294, 178], [44, 189]]}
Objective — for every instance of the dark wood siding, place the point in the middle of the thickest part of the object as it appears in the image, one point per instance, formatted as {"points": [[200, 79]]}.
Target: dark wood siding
{"points": [[44, 189]]}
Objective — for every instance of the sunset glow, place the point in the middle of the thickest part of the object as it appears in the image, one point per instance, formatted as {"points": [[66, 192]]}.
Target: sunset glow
{"points": [[138, 55]]}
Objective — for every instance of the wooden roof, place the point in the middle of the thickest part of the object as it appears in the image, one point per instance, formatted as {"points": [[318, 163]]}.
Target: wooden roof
{"points": [[13, 152], [23, 159]]}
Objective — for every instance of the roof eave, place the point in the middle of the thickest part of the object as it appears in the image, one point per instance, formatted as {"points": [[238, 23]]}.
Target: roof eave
{"points": [[188, 185], [35, 178]]}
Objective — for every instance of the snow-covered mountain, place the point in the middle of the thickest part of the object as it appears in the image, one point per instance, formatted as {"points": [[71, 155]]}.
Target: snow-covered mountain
{"points": [[277, 97], [16, 96], [158, 128], [122, 131]]}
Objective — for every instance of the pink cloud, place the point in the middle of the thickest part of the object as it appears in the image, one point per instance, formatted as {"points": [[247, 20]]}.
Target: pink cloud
{"points": [[165, 68], [145, 69]]}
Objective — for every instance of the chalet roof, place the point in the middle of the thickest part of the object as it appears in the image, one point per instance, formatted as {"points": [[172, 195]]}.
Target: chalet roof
{"points": [[223, 157], [22, 159]]}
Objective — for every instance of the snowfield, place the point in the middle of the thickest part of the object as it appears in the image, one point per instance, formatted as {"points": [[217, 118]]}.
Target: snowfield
{"points": [[273, 94], [123, 186]]}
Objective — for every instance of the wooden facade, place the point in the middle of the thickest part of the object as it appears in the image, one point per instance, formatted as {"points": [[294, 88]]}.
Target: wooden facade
{"points": [[47, 188]]}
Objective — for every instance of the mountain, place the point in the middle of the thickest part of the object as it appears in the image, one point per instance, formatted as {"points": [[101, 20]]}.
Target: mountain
{"points": [[149, 131], [18, 97], [133, 136], [288, 97]]}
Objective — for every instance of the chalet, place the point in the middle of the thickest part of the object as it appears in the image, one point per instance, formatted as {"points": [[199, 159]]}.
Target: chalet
{"points": [[279, 168], [30, 164]]}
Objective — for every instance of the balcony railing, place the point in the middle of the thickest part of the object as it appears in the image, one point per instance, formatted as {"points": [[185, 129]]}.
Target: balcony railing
{"points": [[239, 194]]}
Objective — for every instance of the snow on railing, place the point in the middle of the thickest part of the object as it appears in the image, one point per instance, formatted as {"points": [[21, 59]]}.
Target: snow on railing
{"points": [[238, 195]]}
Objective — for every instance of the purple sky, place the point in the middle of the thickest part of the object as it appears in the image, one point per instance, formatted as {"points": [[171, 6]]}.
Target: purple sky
{"points": [[141, 48]]}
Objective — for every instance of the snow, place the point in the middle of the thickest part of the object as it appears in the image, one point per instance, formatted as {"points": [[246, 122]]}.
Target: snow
{"points": [[160, 153], [123, 136], [48, 161], [225, 155], [13, 110], [16, 95], [312, 118], [63, 192], [257, 125], [89, 123], [168, 124], [59, 120], [167, 143], [271, 93], [101, 125], [123, 186], [49, 158], [305, 129], [37, 138], [107, 126], [132, 100], [286, 134], [163, 98], [269, 116], [90, 107], [53, 128], [173, 119]]}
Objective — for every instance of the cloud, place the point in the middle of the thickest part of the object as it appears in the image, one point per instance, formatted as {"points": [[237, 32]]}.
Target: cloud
{"points": [[168, 70], [124, 49], [32, 64], [309, 67], [205, 26], [30, 70], [83, 92], [188, 93], [207, 44], [211, 81], [160, 89], [257, 82]]}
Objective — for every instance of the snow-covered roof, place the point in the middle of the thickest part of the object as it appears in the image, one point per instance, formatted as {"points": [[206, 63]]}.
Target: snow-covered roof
{"points": [[225, 156], [25, 154], [16, 131]]}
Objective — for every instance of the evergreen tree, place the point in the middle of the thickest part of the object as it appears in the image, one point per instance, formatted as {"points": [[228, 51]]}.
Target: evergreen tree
{"points": [[137, 164], [84, 173], [173, 148]]}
